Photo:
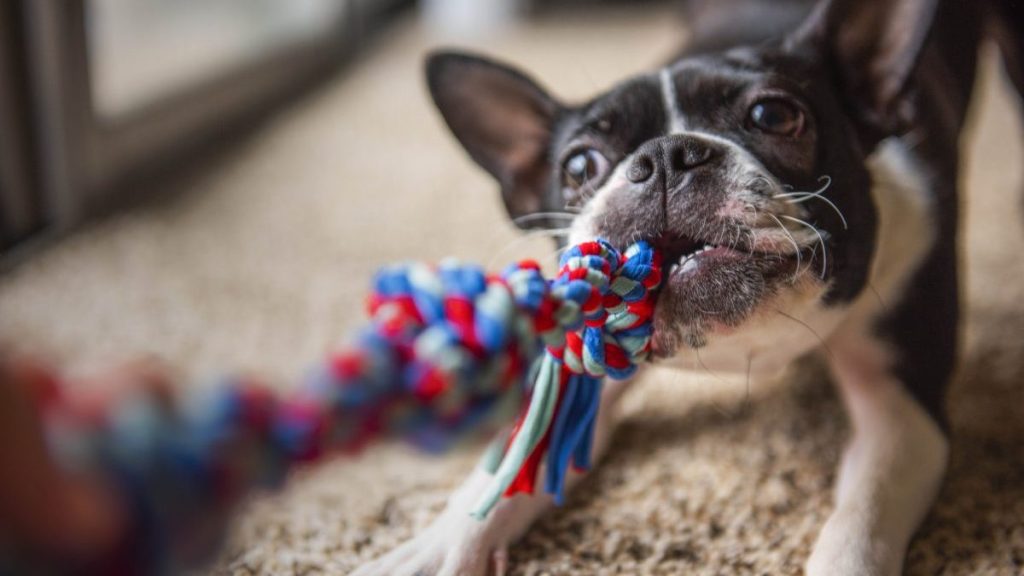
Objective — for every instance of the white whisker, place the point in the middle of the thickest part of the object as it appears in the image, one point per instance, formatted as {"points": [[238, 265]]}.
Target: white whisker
{"points": [[789, 235], [798, 197], [824, 250], [824, 344], [534, 216], [525, 237]]}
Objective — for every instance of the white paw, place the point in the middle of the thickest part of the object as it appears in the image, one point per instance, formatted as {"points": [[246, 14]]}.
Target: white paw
{"points": [[455, 543], [846, 546], [445, 548]]}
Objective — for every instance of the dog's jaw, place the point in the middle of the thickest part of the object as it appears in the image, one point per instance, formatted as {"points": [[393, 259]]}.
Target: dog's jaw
{"points": [[726, 283]]}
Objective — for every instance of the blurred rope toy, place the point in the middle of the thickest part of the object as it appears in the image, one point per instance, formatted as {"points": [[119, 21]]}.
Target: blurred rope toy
{"points": [[448, 350]]}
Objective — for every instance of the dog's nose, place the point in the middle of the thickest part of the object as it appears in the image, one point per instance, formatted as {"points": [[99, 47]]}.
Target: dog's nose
{"points": [[670, 156], [640, 169]]}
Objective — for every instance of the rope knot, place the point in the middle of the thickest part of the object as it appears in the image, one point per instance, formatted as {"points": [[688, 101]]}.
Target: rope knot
{"points": [[595, 320], [608, 301]]}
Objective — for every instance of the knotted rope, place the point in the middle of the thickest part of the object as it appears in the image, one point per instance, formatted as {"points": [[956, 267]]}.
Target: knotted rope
{"points": [[594, 321], [448, 350]]}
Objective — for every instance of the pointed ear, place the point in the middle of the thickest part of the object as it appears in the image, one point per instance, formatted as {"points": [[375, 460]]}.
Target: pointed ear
{"points": [[502, 118], [874, 47]]}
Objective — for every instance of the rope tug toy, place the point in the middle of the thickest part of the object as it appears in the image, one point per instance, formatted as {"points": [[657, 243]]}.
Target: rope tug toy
{"points": [[448, 350]]}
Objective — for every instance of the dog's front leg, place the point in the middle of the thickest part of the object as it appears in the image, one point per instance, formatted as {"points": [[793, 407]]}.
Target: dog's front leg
{"points": [[456, 543], [891, 470]]}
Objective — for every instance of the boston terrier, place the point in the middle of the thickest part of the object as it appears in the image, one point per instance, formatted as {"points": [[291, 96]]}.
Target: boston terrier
{"points": [[798, 167]]}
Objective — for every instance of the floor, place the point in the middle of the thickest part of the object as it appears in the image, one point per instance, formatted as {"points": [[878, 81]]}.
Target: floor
{"points": [[262, 260]]}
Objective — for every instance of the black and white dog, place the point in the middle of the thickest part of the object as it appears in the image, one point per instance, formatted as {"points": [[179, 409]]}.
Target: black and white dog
{"points": [[799, 166]]}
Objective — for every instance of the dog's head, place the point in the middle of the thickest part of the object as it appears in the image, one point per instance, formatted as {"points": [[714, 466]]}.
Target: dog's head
{"points": [[747, 167]]}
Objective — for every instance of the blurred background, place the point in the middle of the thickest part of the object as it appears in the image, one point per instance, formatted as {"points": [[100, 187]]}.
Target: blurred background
{"points": [[215, 181], [95, 92]]}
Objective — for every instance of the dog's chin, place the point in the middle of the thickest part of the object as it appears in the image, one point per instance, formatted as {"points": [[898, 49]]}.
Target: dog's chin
{"points": [[716, 291]]}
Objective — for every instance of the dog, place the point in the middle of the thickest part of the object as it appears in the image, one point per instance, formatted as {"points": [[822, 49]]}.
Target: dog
{"points": [[797, 165]]}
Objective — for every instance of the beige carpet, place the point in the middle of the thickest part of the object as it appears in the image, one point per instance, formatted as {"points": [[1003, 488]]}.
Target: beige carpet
{"points": [[262, 260]]}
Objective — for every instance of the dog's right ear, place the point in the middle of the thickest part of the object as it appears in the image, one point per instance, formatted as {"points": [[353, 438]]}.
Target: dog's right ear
{"points": [[502, 118], [873, 48]]}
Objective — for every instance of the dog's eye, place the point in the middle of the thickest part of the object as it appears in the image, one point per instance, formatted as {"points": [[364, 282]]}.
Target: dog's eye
{"points": [[582, 168], [778, 117]]}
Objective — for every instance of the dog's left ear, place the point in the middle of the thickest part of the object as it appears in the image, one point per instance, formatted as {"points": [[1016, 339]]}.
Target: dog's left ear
{"points": [[502, 118], [873, 47]]}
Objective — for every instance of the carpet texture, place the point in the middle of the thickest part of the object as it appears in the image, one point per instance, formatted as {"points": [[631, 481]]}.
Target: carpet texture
{"points": [[262, 259]]}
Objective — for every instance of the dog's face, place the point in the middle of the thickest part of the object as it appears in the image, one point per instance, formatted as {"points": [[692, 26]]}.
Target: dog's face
{"points": [[728, 163], [747, 168]]}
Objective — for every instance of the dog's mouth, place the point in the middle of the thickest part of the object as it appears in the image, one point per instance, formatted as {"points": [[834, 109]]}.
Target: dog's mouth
{"points": [[690, 256], [684, 255], [709, 284]]}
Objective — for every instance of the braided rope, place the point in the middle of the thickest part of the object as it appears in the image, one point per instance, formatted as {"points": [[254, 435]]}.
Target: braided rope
{"points": [[447, 351], [600, 305]]}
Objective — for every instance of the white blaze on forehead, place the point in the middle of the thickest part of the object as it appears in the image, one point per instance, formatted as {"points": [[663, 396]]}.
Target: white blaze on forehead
{"points": [[676, 124]]}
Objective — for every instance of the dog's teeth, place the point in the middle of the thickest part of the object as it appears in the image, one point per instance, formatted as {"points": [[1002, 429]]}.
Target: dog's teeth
{"points": [[688, 262]]}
